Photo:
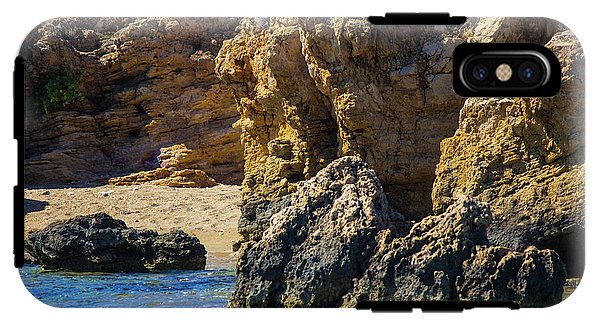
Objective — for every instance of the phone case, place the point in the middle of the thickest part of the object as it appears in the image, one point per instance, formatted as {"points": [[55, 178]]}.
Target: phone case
{"points": [[293, 162]]}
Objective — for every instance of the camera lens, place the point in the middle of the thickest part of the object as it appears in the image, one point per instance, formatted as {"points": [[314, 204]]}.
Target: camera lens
{"points": [[530, 72], [480, 72], [527, 73]]}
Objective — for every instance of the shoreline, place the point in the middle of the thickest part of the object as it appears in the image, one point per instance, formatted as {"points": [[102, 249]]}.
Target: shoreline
{"points": [[210, 214]]}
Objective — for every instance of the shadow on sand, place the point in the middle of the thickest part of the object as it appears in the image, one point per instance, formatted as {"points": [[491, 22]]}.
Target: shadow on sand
{"points": [[34, 205]]}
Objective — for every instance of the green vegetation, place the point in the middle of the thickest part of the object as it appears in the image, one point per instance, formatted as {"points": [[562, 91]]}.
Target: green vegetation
{"points": [[58, 88]]}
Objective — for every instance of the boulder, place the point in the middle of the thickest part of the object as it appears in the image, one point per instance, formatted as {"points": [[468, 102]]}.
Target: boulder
{"points": [[177, 169], [99, 243]]}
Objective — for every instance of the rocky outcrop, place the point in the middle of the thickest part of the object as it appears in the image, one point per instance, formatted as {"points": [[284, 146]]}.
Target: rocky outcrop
{"points": [[337, 242], [350, 95], [311, 90], [173, 172], [317, 243], [525, 158], [145, 84], [99, 243], [288, 131], [446, 258], [166, 177], [511, 30]]}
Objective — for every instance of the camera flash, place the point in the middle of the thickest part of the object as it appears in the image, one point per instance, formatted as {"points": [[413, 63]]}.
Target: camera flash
{"points": [[503, 72]]}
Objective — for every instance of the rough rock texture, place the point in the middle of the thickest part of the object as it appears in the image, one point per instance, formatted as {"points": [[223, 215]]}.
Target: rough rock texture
{"points": [[288, 131], [534, 277], [511, 30], [256, 216], [525, 157], [99, 243], [147, 83], [317, 243], [337, 242], [445, 257], [311, 90], [351, 94]]}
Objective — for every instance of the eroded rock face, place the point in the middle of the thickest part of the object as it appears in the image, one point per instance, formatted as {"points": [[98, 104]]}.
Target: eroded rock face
{"points": [[351, 94], [525, 157], [511, 30], [288, 131], [317, 243], [447, 258], [147, 84], [311, 90], [534, 277], [99, 243], [337, 242]]}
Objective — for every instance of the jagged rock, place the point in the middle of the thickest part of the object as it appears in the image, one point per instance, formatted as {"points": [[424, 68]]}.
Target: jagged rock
{"points": [[525, 157], [99, 243], [446, 258], [383, 93], [336, 242], [534, 278], [317, 243], [147, 84]]}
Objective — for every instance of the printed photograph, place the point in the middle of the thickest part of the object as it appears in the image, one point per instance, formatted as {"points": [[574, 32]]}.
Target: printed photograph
{"points": [[294, 162]]}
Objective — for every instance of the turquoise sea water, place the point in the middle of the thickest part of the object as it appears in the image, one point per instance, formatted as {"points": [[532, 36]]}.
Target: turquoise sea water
{"points": [[209, 288]]}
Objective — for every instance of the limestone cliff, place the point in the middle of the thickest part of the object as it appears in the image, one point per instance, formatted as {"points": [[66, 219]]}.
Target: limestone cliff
{"points": [[525, 158], [310, 90], [146, 84], [288, 131]]}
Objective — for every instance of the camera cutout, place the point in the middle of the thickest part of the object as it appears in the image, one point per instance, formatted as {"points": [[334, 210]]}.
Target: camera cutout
{"points": [[505, 70]]}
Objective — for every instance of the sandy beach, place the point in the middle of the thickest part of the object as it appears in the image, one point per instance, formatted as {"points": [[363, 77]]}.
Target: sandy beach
{"points": [[211, 214]]}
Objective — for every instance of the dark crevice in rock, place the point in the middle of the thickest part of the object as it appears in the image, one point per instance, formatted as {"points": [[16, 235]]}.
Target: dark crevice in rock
{"points": [[570, 246]]}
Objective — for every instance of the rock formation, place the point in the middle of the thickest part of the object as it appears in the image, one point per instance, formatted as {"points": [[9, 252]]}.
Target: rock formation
{"points": [[337, 242], [145, 84], [316, 243], [350, 94], [172, 171], [99, 243], [446, 258], [311, 90], [525, 158]]}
